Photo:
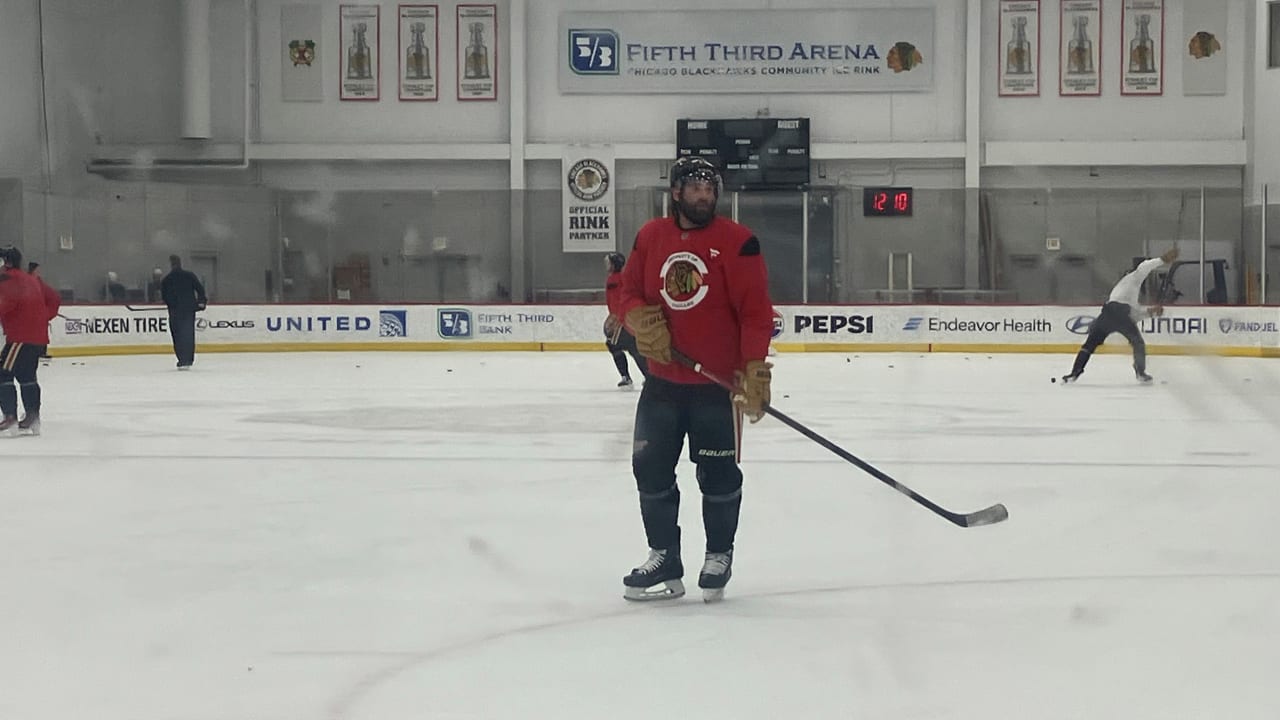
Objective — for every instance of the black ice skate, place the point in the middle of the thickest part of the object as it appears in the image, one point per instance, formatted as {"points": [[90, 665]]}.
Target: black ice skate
{"points": [[1142, 376], [9, 426], [716, 571], [625, 382], [1069, 378], [659, 578], [30, 424]]}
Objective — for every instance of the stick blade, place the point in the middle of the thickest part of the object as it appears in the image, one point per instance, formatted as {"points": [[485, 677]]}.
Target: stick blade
{"points": [[987, 516]]}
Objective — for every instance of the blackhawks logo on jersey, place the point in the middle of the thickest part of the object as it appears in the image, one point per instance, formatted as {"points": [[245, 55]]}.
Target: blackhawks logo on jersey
{"points": [[684, 280]]}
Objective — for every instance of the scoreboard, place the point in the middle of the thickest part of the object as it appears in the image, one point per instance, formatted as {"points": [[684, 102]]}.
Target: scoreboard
{"points": [[751, 153]]}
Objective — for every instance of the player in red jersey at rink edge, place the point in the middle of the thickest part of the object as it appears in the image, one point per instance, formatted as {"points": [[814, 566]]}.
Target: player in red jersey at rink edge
{"points": [[27, 305]]}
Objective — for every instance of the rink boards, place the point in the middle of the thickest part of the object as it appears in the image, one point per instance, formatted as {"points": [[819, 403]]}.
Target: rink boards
{"points": [[115, 329]]}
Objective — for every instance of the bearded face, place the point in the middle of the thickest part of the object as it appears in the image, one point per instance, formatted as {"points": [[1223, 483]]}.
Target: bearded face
{"points": [[696, 201]]}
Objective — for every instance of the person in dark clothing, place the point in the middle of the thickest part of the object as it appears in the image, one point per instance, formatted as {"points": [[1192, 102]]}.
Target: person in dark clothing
{"points": [[113, 291], [617, 339], [184, 296]]}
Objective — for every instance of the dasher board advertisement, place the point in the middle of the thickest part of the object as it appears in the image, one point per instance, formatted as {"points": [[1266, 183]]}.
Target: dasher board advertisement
{"points": [[760, 51]]}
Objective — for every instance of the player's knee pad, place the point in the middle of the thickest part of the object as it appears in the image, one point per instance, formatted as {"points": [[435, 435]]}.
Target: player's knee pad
{"points": [[661, 493], [720, 481], [652, 475]]}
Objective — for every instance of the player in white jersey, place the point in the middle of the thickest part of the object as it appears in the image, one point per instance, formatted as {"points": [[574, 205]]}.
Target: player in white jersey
{"points": [[1121, 314]]}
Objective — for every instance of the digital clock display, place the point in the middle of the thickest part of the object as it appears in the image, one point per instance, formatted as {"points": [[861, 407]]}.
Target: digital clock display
{"points": [[887, 201]]}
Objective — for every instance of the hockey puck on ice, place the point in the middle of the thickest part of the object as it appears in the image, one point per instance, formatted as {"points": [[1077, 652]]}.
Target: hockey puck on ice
{"points": [[1053, 379]]}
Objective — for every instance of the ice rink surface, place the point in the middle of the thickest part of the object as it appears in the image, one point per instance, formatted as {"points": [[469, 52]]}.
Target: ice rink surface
{"points": [[391, 536]]}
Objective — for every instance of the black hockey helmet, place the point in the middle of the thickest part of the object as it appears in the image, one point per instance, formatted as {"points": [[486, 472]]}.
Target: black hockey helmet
{"points": [[691, 167], [11, 256], [616, 261]]}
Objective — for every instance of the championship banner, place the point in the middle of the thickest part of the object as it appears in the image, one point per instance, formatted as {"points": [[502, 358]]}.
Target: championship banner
{"points": [[360, 33], [477, 48], [1204, 64], [301, 72], [589, 210], [758, 51], [1142, 71], [1080, 48], [419, 52], [1019, 66]]}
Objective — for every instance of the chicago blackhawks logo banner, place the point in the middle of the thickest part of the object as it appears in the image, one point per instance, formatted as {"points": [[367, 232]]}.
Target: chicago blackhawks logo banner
{"points": [[302, 76], [587, 195]]}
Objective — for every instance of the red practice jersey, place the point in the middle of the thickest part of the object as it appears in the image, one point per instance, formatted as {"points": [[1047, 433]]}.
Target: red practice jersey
{"points": [[711, 284], [27, 305], [613, 294]]}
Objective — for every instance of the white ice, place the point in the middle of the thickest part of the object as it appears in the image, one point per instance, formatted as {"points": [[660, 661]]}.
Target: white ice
{"points": [[386, 536]]}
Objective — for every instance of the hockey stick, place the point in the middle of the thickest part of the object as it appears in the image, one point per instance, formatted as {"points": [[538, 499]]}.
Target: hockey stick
{"points": [[987, 516], [132, 308]]}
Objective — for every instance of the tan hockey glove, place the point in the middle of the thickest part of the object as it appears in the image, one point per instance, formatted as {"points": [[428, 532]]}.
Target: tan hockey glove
{"points": [[752, 396], [649, 325]]}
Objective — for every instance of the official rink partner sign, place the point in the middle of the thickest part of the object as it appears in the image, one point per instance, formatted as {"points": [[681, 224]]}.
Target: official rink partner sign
{"points": [[755, 51], [587, 199]]}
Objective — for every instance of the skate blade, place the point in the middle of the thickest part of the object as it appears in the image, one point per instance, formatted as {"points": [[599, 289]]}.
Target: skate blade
{"points": [[712, 595], [669, 590]]}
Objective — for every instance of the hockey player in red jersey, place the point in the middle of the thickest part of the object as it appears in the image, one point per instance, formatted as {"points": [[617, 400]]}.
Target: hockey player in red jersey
{"points": [[27, 305], [695, 282]]}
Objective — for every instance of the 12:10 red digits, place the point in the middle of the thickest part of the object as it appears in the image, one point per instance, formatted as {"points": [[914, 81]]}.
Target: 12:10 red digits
{"points": [[901, 201]]}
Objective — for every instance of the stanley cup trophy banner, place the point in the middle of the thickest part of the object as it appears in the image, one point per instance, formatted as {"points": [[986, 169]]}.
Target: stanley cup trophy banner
{"points": [[1019, 63], [1142, 37], [419, 52], [1080, 48], [587, 201], [477, 52], [360, 33]]}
